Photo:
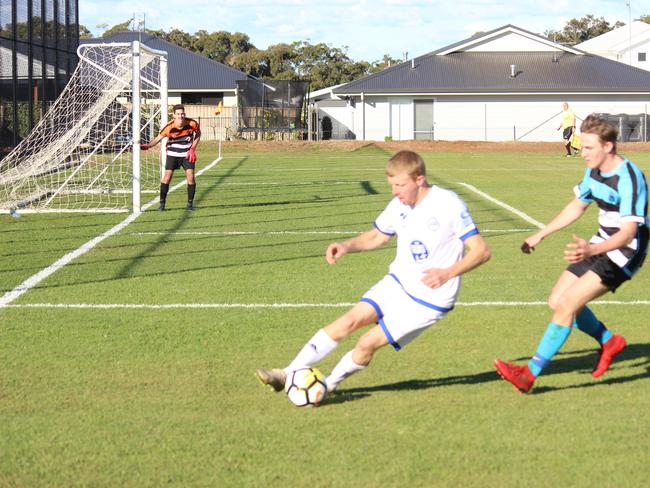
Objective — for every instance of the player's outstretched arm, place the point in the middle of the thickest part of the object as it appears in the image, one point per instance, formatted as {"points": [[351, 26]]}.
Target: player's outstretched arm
{"points": [[152, 143], [569, 214], [365, 241], [477, 252]]}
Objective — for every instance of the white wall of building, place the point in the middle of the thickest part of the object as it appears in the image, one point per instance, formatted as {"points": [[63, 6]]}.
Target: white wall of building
{"points": [[478, 118], [341, 114]]}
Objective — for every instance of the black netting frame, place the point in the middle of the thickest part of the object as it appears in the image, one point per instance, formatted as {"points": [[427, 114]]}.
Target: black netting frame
{"points": [[268, 106]]}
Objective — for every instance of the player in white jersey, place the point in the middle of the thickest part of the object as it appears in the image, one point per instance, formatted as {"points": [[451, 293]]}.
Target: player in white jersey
{"points": [[437, 242]]}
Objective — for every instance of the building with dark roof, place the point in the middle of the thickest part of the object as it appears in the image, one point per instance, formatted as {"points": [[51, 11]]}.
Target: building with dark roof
{"points": [[506, 84]]}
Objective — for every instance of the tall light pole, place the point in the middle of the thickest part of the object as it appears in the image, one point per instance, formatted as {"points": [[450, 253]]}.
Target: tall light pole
{"points": [[629, 9]]}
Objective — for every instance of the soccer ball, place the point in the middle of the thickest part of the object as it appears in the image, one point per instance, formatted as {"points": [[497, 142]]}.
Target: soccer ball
{"points": [[306, 387]]}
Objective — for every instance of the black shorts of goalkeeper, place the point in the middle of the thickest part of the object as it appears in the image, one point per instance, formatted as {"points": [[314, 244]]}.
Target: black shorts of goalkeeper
{"points": [[175, 162]]}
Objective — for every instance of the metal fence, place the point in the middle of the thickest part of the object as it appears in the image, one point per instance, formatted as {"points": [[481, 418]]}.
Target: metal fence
{"points": [[227, 125]]}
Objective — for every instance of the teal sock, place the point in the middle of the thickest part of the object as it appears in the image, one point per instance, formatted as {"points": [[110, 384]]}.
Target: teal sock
{"points": [[553, 339], [587, 322]]}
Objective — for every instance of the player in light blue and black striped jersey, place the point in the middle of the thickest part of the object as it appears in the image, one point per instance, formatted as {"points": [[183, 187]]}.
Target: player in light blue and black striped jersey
{"points": [[612, 256]]}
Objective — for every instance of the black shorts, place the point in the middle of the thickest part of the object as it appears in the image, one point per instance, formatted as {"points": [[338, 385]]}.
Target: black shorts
{"points": [[609, 273], [567, 133], [175, 162]]}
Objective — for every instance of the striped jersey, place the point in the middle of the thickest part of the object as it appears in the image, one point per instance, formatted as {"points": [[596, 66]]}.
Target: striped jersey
{"points": [[179, 141], [621, 196]]}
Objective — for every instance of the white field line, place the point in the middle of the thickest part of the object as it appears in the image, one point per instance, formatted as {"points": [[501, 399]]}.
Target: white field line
{"points": [[141, 306], [286, 232], [519, 213], [32, 281]]}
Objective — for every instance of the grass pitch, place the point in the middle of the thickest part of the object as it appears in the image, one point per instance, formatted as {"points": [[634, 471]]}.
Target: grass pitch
{"points": [[133, 365]]}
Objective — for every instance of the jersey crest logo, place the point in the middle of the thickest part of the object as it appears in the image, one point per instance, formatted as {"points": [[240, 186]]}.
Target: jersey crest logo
{"points": [[466, 217], [419, 251], [433, 225]]}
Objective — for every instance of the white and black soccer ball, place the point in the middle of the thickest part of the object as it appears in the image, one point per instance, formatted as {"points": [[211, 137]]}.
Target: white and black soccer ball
{"points": [[306, 387]]}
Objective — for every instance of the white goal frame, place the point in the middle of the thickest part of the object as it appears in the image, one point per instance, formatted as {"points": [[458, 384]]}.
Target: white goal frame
{"points": [[57, 169]]}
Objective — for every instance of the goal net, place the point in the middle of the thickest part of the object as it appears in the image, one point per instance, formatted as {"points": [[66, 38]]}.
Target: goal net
{"points": [[84, 154]]}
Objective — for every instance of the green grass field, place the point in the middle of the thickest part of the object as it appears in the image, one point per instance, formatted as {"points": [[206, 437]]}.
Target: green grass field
{"points": [[130, 393]]}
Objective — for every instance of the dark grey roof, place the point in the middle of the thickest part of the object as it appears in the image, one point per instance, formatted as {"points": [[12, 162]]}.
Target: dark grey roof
{"points": [[186, 70], [489, 72]]}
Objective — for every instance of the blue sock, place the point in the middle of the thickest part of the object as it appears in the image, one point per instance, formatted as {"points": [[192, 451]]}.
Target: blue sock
{"points": [[587, 322], [553, 339]]}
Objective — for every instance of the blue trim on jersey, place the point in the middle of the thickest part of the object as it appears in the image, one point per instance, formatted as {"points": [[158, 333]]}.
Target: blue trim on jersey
{"points": [[374, 224], [471, 233], [375, 305], [420, 301], [388, 336]]}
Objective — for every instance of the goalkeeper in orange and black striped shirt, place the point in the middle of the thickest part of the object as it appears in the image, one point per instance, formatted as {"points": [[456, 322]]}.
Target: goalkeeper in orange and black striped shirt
{"points": [[183, 135]]}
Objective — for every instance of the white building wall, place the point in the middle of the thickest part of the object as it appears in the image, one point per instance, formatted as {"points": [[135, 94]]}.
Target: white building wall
{"points": [[487, 118], [341, 115], [373, 115]]}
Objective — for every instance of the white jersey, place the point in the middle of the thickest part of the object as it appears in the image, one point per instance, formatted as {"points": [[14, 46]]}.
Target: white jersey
{"points": [[429, 235]]}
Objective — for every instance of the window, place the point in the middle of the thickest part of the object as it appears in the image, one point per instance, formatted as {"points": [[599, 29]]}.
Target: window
{"points": [[641, 57]]}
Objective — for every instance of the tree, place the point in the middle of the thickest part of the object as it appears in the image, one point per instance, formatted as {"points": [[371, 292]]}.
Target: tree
{"points": [[84, 32], [580, 30], [645, 18], [124, 26], [253, 62], [321, 64], [179, 37], [386, 62], [221, 46]]}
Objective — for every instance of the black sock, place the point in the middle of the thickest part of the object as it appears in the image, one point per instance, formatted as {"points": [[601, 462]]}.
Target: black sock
{"points": [[568, 149], [164, 188], [191, 189]]}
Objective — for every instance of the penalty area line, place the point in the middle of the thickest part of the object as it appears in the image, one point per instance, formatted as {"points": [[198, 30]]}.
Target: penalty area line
{"points": [[33, 280], [501, 204], [153, 306]]}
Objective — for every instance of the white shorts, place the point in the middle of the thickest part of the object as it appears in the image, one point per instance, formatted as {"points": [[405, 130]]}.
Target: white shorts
{"points": [[401, 316]]}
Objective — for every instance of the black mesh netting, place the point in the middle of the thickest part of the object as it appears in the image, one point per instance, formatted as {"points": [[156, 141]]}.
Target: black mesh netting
{"points": [[271, 105]]}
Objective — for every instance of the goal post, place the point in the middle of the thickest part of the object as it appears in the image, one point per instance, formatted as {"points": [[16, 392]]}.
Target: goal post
{"points": [[84, 154]]}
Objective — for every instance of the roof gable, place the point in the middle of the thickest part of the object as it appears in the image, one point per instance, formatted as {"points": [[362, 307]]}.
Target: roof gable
{"points": [[506, 39]]}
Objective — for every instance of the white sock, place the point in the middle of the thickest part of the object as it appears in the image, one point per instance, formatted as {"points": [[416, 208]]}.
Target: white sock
{"points": [[316, 349], [345, 367]]}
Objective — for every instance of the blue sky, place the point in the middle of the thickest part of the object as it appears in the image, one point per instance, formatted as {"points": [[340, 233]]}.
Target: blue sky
{"points": [[369, 29]]}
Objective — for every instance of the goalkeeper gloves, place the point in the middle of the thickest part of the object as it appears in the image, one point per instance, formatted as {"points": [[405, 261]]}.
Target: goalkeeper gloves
{"points": [[191, 155], [144, 147]]}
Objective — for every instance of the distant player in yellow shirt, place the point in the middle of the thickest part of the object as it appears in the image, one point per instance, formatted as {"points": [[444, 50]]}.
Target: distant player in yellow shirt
{"points": [[568, 127]]}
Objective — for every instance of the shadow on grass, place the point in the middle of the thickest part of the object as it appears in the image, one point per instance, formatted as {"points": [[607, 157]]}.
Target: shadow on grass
{"points": [[351, 394], [634, 356]]}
